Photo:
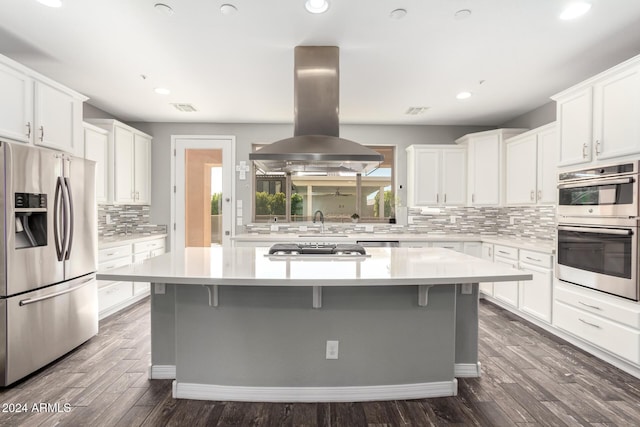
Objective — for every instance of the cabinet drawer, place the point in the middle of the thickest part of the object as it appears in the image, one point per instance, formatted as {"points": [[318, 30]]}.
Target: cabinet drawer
{"points": [[149, 245], [119, 262], [597, 303], [454, 246], [505, 251], [114, 294], [156, 252], [618, 339], [536, 258], [113, 253]]}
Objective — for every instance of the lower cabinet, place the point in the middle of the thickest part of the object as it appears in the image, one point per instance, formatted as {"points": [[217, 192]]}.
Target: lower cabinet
{"points": [[114, 296], [487, 254]]}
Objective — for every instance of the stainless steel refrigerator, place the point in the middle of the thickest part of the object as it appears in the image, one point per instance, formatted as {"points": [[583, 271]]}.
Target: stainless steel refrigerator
{"points": [[48, 291]]}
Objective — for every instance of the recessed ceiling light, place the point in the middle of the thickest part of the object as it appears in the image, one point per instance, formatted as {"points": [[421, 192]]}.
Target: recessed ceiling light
{"points": [[463, 95], [575, 10], [316, 6], [398, 13], [462, 14], [165, 9], [162, 91], [228, 9], [51, 3]]}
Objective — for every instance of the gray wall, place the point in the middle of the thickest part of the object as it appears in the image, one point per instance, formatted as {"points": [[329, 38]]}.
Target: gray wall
{"points": [[248, 134], [534, 118], [91, 112]]}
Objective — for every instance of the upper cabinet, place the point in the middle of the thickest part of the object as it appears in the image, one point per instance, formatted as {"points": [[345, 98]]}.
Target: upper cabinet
{"points": [[96, 148], [485, 165], [37, 110], [598, 118], [531, 160], [436, 175], [129, 162]]}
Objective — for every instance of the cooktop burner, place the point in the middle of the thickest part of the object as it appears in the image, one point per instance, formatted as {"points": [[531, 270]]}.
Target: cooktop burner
{"points": [[316, 249]]}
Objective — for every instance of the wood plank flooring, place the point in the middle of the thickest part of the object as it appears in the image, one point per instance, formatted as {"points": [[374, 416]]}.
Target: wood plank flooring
{"points": [[529, 378]]}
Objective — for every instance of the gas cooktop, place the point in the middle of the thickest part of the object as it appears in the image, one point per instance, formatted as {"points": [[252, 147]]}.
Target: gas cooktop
{"points": [[316, 249]]}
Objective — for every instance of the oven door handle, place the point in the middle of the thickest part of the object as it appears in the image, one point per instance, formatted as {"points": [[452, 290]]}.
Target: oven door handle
{"points": [[597, 183], [617, 231]]}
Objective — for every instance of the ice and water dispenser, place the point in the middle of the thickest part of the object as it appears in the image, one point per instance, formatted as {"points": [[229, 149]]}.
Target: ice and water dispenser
{"points": [[31, 220]]}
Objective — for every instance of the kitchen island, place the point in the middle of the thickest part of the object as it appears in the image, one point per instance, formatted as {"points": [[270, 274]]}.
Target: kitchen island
{"points": [[238, 324]]}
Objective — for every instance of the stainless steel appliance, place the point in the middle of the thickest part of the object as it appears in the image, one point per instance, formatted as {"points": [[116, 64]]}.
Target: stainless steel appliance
{"points": [[605, 191], [315, 249], [48, 291], [599, 253]]}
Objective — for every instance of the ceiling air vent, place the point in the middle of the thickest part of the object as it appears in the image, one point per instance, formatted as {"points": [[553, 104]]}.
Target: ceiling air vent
{"points": [[414, 111], [185, 108]]}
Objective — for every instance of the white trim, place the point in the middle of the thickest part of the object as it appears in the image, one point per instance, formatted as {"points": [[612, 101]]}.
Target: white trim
{"points": [[162, 372], [122, 305], [314, 394], [467, 370]]}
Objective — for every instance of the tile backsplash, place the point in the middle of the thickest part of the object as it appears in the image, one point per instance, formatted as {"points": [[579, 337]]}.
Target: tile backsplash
{"points": [[534, 222], [126, 220]]}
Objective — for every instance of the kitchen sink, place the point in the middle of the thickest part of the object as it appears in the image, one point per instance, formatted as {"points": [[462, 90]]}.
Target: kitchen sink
{"points": [[327, 235]]}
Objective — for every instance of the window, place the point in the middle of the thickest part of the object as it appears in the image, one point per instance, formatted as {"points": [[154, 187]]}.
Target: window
{"points": [[337, 196]]}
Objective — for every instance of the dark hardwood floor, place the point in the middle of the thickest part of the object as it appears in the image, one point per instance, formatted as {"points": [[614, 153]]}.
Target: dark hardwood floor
{"points": [[529, 378]]}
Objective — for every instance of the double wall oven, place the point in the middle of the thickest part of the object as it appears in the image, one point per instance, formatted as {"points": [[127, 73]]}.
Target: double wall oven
{"points": [[598, 225]]}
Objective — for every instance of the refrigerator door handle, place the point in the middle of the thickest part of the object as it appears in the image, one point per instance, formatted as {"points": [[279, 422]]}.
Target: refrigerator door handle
{"points": [[57, 212], [65, 219], [54, 294], [71, 218]]}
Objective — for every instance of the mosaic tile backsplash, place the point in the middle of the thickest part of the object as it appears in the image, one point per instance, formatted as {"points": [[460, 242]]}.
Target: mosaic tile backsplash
{"points": [[535, 222], [126, 220]]}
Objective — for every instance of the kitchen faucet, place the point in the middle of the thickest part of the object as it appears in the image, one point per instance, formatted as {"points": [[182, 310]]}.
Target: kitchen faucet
{"points": [[315, 215]]}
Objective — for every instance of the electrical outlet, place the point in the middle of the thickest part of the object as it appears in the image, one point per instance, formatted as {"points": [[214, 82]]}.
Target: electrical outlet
{"points": [[108, 219], [466, 289], [159, 288], [512, 220], [332, 349]]}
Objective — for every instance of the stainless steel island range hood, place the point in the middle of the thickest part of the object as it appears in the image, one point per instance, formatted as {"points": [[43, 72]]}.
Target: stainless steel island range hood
{"points": [[316, 145]]}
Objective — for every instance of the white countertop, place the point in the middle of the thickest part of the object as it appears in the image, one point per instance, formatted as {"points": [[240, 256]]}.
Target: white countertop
{"points": [[250, 267], [109, 242]]}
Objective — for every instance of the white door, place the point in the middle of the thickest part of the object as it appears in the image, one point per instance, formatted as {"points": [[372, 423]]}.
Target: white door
{"points": [[454, 177], [485, 188], [506, 291], [55, 118], [16, 110], [548, 156], [208, 178], [576, 122], [427, 172], [123, 165], [521, 171], [142, 169]]}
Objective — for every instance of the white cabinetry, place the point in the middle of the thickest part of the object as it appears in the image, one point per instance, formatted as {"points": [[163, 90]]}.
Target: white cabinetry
{"points": [[436, 175], [530, 162], [506, 291], [598, 118], [114, 296], [485, 165], [96, 148], [535, 295], [129, 162], [487, 254], [38, 110]]}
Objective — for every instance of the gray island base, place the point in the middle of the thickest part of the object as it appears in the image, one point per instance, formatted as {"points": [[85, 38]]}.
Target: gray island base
{"points": [[236, 325]]}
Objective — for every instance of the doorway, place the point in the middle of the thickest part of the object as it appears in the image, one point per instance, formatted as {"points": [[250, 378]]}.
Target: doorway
{"points": [[203, 191]]}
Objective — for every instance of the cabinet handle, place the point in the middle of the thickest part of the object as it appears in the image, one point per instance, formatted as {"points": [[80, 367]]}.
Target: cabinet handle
{"points": [[473, 198], [28, 129], [595, 307], [533, 259], [41, 133], [589, 323], [490, 250], [437, 198], [539, 195], [533, 195], [584, 150], [445, 197], [597, 146], [503, 252]]}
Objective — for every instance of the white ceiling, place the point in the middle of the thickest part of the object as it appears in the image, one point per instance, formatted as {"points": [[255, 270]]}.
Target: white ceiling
{"points": [[239, 68]]}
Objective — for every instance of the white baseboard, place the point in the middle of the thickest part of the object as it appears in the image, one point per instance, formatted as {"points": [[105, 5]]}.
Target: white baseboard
{"points": [[314, 394], [122, 305], [162, 372], [467, 370]]}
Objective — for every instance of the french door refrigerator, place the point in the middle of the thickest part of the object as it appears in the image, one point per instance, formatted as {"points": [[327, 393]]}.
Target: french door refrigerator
{"points": [[48, 253]]}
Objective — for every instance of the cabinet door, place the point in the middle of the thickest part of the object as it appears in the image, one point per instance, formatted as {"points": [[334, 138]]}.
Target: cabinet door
{"points": [[616, 107], [96, 148], [548, 156], [123, 165], [487, 254], [535, 295], [453, 177], [521, 171], [142, 169], [506, 291], [425, 180], [485, 179], [575, 122], [55, 118], [16, 109]]}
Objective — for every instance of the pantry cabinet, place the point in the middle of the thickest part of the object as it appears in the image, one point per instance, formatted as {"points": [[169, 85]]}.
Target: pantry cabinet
{"points": [[436, 175], [129, 162], [530, 162], [485, 165], [37, 110], [597, 119]]}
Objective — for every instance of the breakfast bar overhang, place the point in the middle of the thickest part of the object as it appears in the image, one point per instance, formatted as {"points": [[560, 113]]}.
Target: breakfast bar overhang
{"points": [[238, 324]]}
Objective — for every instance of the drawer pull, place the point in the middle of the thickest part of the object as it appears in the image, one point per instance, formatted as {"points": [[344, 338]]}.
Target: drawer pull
{"points": [[589, 323], [533, 259], [590, 306], [504, 252]]}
